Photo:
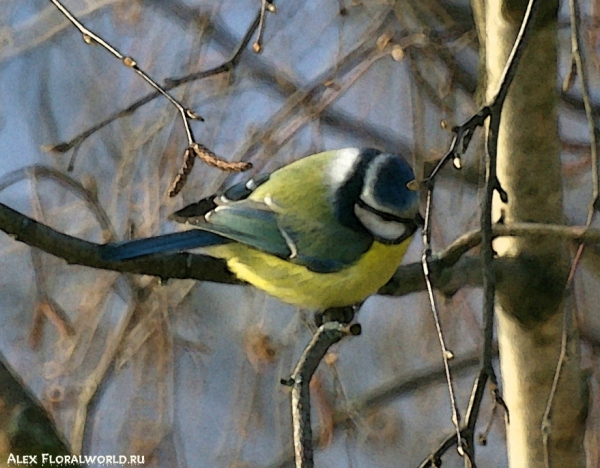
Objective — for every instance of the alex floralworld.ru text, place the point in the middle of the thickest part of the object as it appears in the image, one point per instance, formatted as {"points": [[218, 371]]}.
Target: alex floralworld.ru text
{"points": [[61, 460]]}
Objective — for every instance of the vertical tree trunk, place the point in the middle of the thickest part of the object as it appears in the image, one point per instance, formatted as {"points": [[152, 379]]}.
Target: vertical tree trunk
{"points": [[530, 307]]}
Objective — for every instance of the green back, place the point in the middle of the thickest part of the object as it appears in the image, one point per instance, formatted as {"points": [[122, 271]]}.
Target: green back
{"points": [[292, 216]]}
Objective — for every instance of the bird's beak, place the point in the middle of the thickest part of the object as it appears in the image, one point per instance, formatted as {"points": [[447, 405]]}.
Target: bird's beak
{"points": [[413, 185]]}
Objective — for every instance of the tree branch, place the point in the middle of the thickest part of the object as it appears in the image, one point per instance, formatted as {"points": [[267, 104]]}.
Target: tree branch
{"points": [[80, 252], [450, 269], [327, 335]]}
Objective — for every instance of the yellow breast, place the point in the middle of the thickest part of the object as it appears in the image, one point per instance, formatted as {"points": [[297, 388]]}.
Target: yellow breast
{"points": [[297, 285]]}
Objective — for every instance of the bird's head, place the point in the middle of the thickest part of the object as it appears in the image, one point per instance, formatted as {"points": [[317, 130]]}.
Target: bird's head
{"points": [[375, 193]]}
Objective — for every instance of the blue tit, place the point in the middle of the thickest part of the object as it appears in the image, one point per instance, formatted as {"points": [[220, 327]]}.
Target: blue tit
{"points": [[325, 231]]}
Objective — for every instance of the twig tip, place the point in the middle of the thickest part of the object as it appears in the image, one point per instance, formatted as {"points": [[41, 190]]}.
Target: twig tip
{"points": [[58, 148], [288, 382]]}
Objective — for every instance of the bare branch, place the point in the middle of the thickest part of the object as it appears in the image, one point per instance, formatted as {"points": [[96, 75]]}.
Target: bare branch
{"points": [[408, 278], [265, 5], [445, 352], [327, 335], [80, 252], [91, 38], [459, 144], [390, 391], [186, 114]]}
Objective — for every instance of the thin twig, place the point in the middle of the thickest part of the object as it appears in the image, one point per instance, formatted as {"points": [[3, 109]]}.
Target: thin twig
{"points": [[91, 38], [578, 64], [170, 83], [328, 334], [482, 438], [45, 307], [311, 100], [93, 381], [316, 97], [186, 114], [265, 5], [516, 53], [589, 112], [70, 184], [546, 424], [464, 133], [445, 352], [226, 66], [418, 381]]}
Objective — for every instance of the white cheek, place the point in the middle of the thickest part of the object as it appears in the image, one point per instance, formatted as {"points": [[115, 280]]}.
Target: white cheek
{"points": [[388, 230]]}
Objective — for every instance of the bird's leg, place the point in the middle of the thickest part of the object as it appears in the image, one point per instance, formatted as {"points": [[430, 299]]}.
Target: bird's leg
{"points": [[336, 314]]}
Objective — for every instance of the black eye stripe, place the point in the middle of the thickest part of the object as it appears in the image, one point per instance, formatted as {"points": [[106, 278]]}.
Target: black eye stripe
{"points": [[383, 215], [349, 192]]}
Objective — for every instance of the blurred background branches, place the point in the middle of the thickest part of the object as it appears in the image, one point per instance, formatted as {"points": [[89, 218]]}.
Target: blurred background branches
{"points": [[187, 373]]}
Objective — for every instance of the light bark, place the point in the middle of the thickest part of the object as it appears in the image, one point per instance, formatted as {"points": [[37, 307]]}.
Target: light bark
{"points": [[530, 300]]}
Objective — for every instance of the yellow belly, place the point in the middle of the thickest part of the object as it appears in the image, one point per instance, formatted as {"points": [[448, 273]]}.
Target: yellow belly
{"points": [[299, 286]]}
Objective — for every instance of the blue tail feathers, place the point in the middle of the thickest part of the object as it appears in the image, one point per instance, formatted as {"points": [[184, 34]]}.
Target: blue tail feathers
{"points": [[168, 243]]}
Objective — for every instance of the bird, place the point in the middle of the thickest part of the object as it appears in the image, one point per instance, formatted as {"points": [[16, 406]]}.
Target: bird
{"points": [[323, 232]]}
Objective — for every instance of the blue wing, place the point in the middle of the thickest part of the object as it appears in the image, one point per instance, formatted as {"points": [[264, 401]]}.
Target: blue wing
{"points": [[168, 243], [186, 240]]}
